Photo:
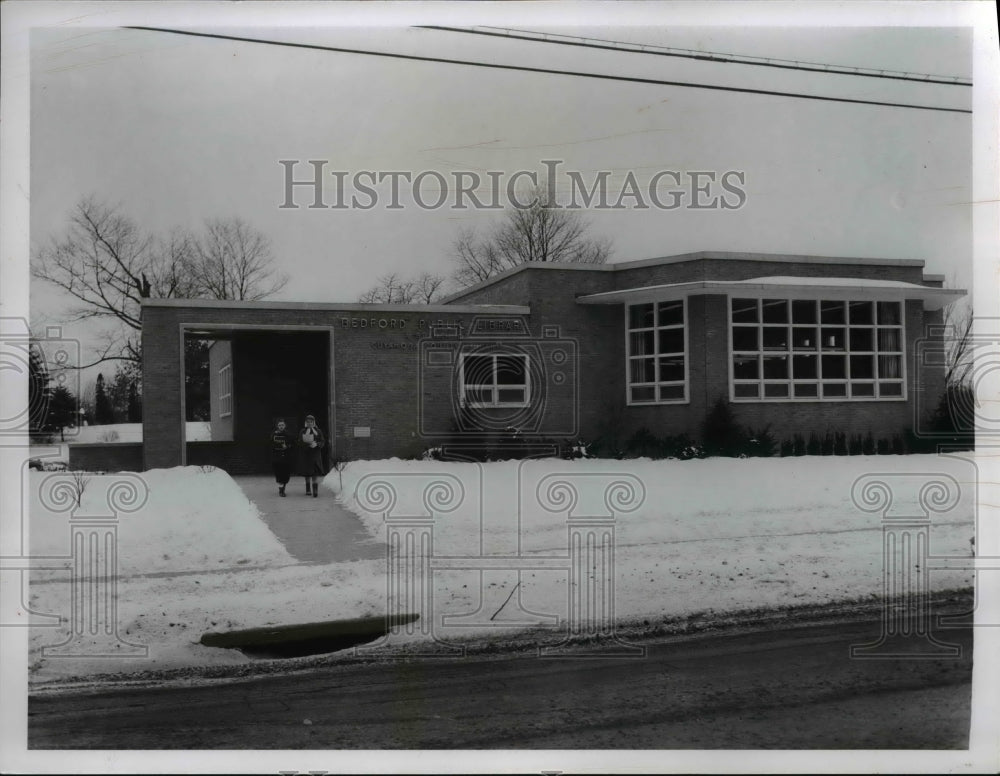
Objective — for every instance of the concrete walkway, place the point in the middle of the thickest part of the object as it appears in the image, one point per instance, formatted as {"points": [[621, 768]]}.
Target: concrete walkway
{"points": [[312, 529]]}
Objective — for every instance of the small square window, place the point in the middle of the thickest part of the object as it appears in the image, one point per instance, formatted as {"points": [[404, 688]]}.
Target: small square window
{"points": [[775, 310], [642, 343], [775, 367], [861, 313], [862, 340], [832, 312], [671, 341], [745, 311], [862, 367], [745, 368], [804, 338], [642, 393], [834, 367], [671, 369], [671, 393], [888, 314], [776, 338], [642, 370], [804, 311], [745, 338], [640, 316], [804, 367], [671, 313]]}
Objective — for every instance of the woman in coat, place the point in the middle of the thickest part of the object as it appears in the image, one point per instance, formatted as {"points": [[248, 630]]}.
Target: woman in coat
{"points": [[282, 454], [312, 442]]}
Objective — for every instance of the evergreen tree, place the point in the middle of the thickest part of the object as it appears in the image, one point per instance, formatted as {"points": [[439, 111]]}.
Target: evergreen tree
{"points": [[62, 409], [103, 410]]}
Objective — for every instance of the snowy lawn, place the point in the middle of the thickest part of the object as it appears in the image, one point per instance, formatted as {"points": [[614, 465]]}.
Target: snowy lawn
{"points": [[698, 536]]}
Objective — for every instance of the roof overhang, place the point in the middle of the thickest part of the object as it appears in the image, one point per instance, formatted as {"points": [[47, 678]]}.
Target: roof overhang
{"points": [[799, 287]]}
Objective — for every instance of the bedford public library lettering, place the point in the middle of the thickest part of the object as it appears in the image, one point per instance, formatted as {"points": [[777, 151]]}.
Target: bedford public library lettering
{"points": [[800, 343]]}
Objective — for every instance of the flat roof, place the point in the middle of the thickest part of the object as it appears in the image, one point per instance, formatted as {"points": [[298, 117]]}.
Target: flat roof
{"points": [[830, 288], [683, 257], [347, 307]]}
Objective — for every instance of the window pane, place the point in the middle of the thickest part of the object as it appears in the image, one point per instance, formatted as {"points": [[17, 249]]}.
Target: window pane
{"points": [[833, 339], [671, 392], [643, 393], [511, 370], [804, 367], [862, 339], [671, 313], [862, 367], [776, 338], [672, 369], [478, 370], [804, 311], [775, 311], [671, 340], [775, 367], [890, 389], [643, 370], [835, 390], [746, 391], [834, 367], [745, 338], [890, 367], [831, 312], [888, 340], [641, 343], [640, 316], [745, 368], [776, 389], [861, 313], [862, 389], [510, 395], [888, 313], [744, 311], [806, 390], [804, 338], [479, 395]]}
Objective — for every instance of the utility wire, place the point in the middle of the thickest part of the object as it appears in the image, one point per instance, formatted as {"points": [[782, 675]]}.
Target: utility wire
{"points": [[708, 56], [525, 69]]}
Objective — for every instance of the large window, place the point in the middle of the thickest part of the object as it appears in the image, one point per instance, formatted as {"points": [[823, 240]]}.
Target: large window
{"points": [[811, 350], [495, 380], [657, 353], [225, 390]]}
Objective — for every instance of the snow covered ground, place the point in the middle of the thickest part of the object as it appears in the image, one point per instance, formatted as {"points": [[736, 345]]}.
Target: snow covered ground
{"points": [[717, 535]]}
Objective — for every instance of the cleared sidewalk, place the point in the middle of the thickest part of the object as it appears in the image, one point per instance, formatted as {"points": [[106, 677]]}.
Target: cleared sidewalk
{"points": [[312, 529]]}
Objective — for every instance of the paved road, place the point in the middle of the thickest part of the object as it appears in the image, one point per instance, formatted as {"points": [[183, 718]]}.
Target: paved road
{"points": [[793, 688], [312, 529]]}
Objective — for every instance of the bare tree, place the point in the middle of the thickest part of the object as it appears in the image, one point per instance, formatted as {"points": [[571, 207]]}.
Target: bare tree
{"points": [[540, 232], [960, 358], [232, 260], [108, 264], [392, 289]]}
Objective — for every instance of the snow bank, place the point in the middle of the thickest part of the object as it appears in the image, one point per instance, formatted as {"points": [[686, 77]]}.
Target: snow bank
{"points": [[701, 536], [193, 520]]}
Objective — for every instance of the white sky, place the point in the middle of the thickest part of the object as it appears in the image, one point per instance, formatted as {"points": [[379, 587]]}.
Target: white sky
{"points": [[177, 129]]}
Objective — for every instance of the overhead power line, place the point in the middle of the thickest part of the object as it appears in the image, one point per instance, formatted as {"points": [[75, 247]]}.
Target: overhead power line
{"points": [[548, 71], [707, 56]]}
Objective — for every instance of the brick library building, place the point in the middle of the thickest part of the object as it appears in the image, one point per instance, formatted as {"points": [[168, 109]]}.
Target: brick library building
{"points": [[555, 352]]}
